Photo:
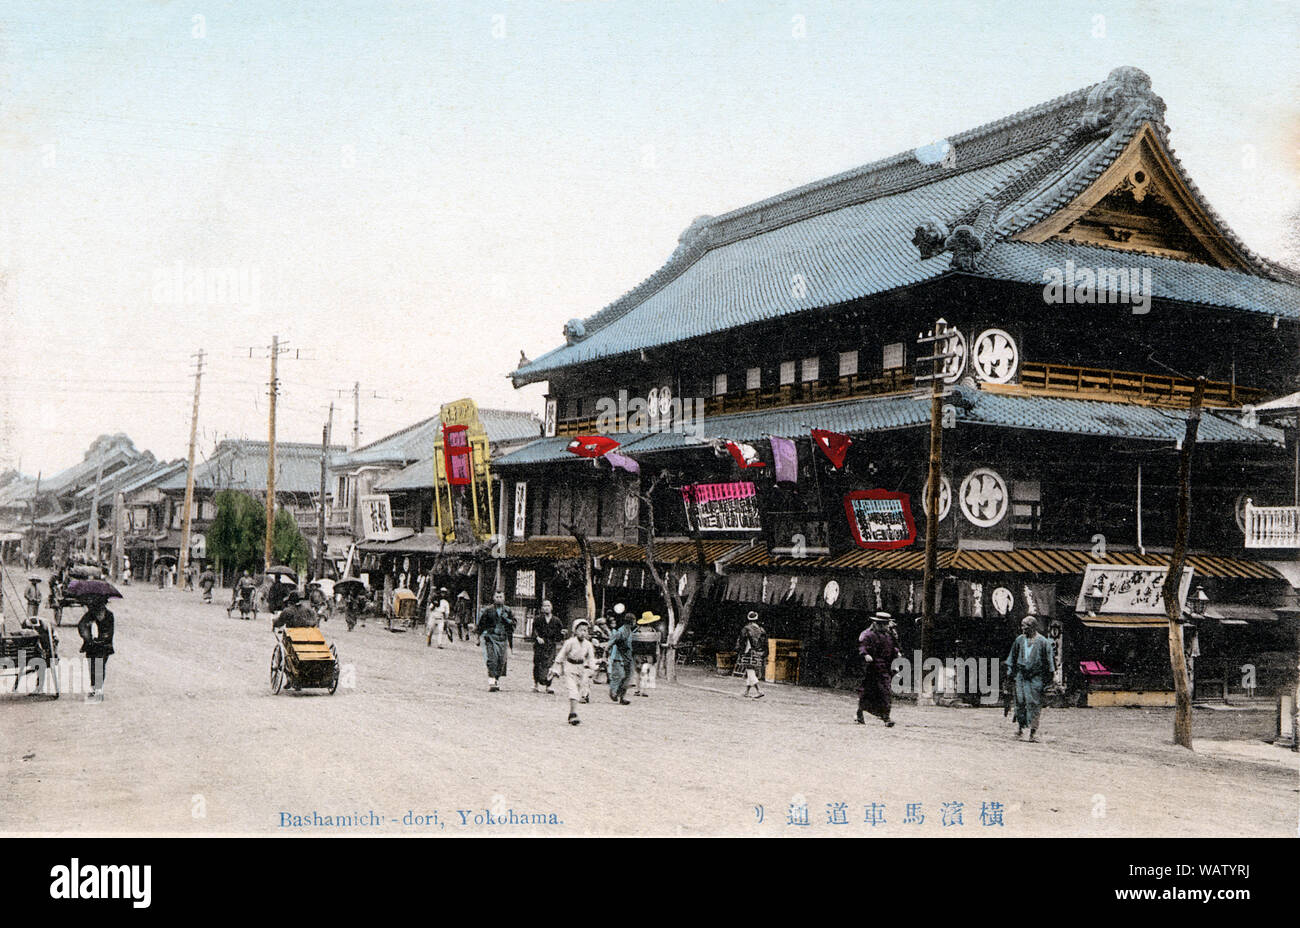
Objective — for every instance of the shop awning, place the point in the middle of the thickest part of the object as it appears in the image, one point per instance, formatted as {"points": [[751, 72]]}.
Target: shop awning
{"points": [[666, 552], [423, 543], [1239, 613], [1123, 621], [1017, 561]]}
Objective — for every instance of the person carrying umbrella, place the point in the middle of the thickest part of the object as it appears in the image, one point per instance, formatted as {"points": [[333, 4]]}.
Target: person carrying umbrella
{"points": [[495, 628], [96, 629]]}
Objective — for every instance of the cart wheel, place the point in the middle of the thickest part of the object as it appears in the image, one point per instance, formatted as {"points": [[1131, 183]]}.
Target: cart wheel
{"points": [[334, 678], [277, 669]]}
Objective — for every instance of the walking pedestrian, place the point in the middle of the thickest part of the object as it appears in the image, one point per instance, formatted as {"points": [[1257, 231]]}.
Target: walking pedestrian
{"points": [[619, 661], [548, 635], [96, 630], [461, 612], [751, 650], [878, 651], [33, 597], [576, 662], [495, 627], [645, 651], [435, 623], [1029, 664]]}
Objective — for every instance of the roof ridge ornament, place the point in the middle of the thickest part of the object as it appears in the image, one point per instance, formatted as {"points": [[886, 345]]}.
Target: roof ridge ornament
{"points": [[932, 238], [1125, 93]]}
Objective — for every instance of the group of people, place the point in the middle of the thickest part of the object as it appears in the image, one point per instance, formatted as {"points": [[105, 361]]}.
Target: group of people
{"points": [[95, 628]]}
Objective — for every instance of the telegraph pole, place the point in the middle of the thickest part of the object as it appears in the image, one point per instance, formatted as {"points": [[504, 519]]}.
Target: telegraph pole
{"points": [[188, 509], [92, 527], [356, 416], [320, 521], [270, 457], [941, 341]]}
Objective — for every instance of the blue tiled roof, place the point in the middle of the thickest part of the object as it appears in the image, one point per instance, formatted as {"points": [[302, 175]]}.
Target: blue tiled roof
{"points": [[879, 414], [416, 442], [1170, 279]]}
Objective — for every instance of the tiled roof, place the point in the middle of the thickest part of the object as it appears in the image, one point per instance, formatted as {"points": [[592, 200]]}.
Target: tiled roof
{"points": [[416, 442], [154, 475], [239, 464], [877, 414], [851, 235]]}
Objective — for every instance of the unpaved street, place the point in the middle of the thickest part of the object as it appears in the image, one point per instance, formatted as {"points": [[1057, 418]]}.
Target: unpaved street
{"points": [[191, 740]]}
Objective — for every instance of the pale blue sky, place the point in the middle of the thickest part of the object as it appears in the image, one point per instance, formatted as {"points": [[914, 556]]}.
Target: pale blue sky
{"points": [[425, 188]]}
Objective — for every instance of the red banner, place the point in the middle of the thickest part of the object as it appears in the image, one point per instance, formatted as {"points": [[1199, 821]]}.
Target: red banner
{"points": [[456, 457]]}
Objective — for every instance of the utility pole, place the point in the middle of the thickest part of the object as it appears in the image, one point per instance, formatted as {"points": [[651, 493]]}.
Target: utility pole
{"points": [[356, 416], [187, 512], [119, 502], [270, 457], [31, 551], [942, 341], [320, 523], [1174, 577]]}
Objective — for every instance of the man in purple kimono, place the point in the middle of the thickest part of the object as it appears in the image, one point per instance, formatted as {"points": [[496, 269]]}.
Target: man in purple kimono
{"points": [[878, 651]]}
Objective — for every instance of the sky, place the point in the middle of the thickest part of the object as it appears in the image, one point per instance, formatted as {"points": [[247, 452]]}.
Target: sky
{"points": [[410, 192]]}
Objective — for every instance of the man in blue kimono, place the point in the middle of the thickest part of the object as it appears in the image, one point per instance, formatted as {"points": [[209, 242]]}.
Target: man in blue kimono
{"points": [[495, 627], [1029, 665]]}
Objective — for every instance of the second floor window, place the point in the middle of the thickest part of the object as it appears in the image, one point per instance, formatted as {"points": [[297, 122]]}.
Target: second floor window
{"points": [[848, 363], [810, 366], [787, 372], [892, 356], [753, 378], [719, 384]]}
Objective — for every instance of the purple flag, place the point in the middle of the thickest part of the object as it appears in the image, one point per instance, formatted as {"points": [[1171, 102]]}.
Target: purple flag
{"points": [[785, 460], [619, 460]]}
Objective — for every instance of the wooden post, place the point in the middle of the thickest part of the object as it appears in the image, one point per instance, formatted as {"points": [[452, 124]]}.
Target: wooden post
{"points": [[189, 474], [268, 550], [92, 527], [320, 521], [1173, 579]]}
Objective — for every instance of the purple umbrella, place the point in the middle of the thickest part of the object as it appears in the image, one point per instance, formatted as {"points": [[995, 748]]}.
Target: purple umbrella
{"points": [[88, 589]]}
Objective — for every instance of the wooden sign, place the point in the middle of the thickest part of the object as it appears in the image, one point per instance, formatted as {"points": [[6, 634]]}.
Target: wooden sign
{"points": [[880, 519], [1128, 589]]}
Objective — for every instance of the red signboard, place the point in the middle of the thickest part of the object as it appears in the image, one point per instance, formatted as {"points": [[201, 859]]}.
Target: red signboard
{"points": [[456, 455], [880, 519]]}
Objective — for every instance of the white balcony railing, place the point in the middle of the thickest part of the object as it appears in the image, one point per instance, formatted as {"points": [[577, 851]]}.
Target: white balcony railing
{"points": [[1272, 526]]}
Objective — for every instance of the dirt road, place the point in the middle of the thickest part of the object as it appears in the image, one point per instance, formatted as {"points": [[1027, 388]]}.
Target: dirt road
{"points": [[190, 740]]}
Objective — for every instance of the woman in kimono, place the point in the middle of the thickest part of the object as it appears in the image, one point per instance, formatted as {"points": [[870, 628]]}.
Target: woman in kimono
{"points": [[751, 651], [495, 627], [576, 662], [96, 630]]}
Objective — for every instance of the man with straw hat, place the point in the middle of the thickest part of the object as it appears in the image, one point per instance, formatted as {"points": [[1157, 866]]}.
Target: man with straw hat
{"points": [[33, 596], [645, 651], [576, 662], [878, 651]]}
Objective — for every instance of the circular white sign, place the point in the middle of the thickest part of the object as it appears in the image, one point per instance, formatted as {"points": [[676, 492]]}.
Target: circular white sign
{"points": [[665, 400], [945, 497], [1239, 511], [631, 507], [983, 497], [1003, 600], [995, 356], [831, 592], [955, 366]]}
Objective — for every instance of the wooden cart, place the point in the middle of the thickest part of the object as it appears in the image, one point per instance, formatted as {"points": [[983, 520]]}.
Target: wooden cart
{"points": [[32, 650], [303, 659]]}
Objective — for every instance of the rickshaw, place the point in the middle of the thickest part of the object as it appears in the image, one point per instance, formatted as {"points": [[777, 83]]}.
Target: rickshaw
{"points": [[303, 659], [34, 649], [405, 606], [245, 600]]}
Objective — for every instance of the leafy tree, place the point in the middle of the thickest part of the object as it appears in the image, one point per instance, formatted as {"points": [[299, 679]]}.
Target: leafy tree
{"points": [[238, 534], [289, 547]]}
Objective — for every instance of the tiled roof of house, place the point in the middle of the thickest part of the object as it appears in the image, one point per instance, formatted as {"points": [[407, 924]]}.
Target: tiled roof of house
{"points": [[240, 464], [857, 234], [416, 442], [972, 406]]}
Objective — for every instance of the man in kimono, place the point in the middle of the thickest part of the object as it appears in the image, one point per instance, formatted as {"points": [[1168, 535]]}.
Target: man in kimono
{"points": [[575, 662], [619, 662], [877, 648], [1030, 666], [33, 597], [495, 627], [548, 634]]}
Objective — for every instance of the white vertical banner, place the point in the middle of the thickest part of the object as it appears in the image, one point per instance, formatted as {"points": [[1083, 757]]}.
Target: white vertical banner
{"points": [[521, 507]]}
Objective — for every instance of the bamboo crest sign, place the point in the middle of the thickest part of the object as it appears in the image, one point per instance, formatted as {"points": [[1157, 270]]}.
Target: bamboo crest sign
{"points": [[462, 480]]}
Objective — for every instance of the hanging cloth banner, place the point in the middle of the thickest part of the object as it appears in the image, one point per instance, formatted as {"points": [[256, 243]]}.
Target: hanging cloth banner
{"points": [[833, 444], [745, 455], [785, 460], [623, 462]]}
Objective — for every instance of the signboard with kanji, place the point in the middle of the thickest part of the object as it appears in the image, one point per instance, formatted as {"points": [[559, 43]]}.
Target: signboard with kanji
{"points": [[880, 519], [722, 507]]}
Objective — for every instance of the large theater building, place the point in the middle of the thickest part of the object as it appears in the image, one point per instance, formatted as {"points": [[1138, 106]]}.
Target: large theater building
{"points": [[1089, 285]]}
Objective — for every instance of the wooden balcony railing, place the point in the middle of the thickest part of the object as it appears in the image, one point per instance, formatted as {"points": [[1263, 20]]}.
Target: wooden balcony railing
{"points": [[1272, 526], [1130, 386]]}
